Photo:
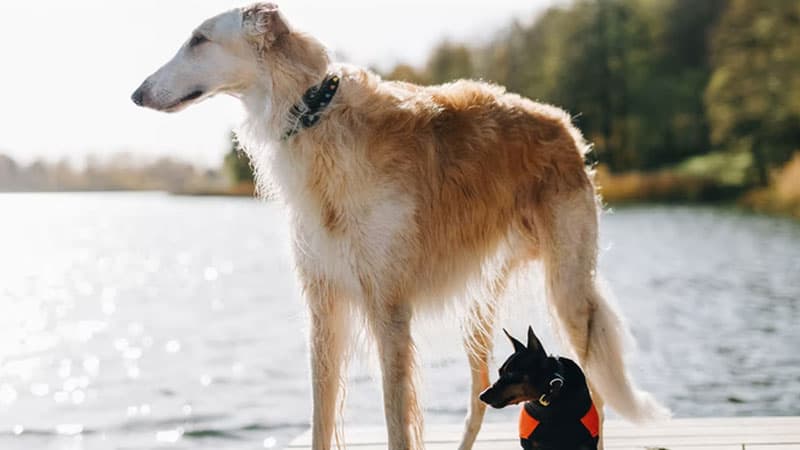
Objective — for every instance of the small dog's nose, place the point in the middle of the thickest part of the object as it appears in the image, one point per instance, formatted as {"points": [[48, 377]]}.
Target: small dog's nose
{"points": [[484, 397], [138, 97]]}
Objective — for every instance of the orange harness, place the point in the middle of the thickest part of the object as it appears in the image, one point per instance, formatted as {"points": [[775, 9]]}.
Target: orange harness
{"points": [[527, 424]]}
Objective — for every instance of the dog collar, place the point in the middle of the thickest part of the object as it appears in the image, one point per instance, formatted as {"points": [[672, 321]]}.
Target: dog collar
{"points": [[308, 111]]}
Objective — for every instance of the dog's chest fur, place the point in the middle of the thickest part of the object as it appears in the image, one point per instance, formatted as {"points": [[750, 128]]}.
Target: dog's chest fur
{"points": [[349, 221]]}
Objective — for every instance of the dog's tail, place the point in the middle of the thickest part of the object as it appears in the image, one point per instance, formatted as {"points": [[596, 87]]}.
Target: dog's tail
{"points": [[568, 241]]}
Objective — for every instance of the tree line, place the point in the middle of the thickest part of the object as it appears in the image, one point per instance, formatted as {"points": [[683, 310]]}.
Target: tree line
{"points": [[119, 171], [652, 83]]}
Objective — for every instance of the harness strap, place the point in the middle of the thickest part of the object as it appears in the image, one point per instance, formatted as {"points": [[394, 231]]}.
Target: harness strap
{"points": [[591, 420], [528, 424]]}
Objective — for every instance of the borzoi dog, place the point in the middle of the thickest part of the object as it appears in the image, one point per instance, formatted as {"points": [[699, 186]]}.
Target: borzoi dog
{"points": [[402, 197]]}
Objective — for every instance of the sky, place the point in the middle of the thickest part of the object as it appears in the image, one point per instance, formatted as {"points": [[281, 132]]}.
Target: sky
{"points": [[68, 68]]}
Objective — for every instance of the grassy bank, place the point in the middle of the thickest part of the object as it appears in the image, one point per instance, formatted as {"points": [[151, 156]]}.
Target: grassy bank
{"points": [[659, 186], [241, 189], [782, 196], [712, 178], [706, 179]]}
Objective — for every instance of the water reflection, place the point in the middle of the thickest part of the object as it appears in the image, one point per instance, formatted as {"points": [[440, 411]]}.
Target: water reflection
{"points": [[139, 320]]}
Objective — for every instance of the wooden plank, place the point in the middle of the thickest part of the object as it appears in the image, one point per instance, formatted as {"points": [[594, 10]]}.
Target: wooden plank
{"points": [[514, 445], [773, 447], [611, 443], [509, 445], [687, 427], [662, 440], [738, 434], [771, 433], [499, 432], [672, 441]]}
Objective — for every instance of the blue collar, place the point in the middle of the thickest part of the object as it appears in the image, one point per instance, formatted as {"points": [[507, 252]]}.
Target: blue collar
{"points": [[308, 111]]}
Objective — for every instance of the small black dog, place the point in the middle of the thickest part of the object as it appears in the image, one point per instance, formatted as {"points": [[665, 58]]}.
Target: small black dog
{"points": [[558, 413]]}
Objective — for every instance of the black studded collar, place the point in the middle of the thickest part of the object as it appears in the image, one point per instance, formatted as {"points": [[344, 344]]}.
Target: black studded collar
{"points": [[308, 111]]}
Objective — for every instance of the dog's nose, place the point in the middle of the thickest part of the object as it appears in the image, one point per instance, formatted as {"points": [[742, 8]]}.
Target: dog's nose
{"points": [[138, 96], [484, 397]]}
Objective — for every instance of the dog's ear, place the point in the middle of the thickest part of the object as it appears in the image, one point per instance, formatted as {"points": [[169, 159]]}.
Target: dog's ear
{"points": [[518, 346], [265, 24], [534, 344]]}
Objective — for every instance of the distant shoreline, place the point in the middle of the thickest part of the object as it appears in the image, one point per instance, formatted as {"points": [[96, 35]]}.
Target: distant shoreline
{"points": [[757, 202], [242, 190], [204, 193]]}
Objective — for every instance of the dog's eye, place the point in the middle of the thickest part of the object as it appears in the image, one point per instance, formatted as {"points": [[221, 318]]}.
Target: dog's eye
{"points": [[197, 39]]}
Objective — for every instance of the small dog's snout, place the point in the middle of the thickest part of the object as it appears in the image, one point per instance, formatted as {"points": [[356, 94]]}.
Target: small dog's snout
{"points": [[138, 96], [484, 397]]}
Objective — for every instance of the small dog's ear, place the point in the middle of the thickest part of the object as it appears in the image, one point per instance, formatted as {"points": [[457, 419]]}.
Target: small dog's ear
{"points": [[518, 346], [534, 344], [265, 23]]}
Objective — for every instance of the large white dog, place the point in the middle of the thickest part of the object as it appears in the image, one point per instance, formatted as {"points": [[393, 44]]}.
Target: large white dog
{"points": [[403, 198]]}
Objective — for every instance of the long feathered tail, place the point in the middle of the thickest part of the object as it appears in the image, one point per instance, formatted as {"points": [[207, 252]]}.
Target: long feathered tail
{"points": [[596, 332]]}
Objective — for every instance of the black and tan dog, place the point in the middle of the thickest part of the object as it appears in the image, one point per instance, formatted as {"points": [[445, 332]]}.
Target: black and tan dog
{"points": [[558, 413]]}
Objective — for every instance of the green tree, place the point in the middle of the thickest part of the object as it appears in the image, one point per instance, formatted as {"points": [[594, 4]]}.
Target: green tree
{"points": [[237, 164], [753, 97], [681, 74], [405, 72], [449, 62]]}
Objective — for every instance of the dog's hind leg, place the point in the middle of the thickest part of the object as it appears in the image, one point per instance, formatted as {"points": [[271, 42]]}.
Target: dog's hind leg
{"points": [[329, 343], [391, 327], [479, 329]]}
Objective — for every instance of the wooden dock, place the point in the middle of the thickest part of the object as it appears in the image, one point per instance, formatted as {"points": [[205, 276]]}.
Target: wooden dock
{"points": [[738, 433]]}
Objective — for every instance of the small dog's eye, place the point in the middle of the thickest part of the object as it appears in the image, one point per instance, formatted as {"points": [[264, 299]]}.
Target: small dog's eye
{"points": [[197, 39]]}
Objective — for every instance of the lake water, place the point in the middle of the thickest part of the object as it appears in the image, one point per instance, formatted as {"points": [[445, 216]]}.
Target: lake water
{"points": [[142, 321]]}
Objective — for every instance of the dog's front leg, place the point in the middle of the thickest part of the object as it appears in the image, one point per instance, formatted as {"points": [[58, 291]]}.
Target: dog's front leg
{"points": [[391, 327], [479, 329], [478, 344], [329, 341]]}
